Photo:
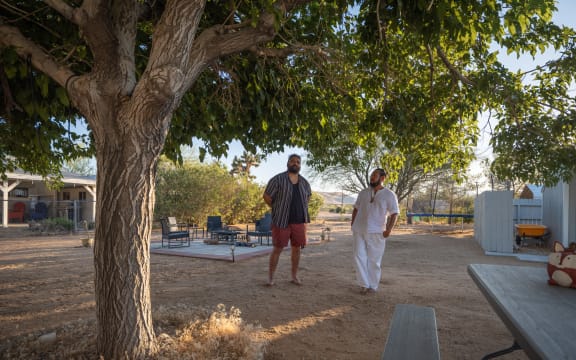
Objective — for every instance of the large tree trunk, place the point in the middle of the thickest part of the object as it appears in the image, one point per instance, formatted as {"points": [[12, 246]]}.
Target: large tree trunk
{"points": [[129, 122], [126, 183]]}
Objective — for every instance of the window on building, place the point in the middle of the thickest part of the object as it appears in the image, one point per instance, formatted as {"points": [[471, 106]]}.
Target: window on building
{"points": [[82, 195], [65, 195], [19, 192]]}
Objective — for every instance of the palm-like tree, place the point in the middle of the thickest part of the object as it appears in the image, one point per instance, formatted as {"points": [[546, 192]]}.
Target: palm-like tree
{"points": [[241, 166]]}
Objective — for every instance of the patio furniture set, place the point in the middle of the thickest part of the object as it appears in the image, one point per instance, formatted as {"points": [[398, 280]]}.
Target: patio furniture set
{"points": [[176, 234]]}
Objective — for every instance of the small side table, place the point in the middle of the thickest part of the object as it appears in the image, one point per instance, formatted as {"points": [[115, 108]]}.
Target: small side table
{"points": [[195, 229]]}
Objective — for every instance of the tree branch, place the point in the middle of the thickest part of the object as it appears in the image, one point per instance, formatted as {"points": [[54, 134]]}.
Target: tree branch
{"points": [[72, 14], [218, 43], [109, 30], [204, 48], [289, 5], [378, 21], [12, 37], [431, 59], [21, 14], [289, 50], [9, 102], [451, 67]]}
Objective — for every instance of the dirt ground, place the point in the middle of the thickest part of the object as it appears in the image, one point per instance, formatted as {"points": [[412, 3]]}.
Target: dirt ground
{"points": [[46, 282]]}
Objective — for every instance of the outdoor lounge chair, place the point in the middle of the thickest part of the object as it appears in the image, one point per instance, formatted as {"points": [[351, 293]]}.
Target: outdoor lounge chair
{"points": [[214, 224], [178, 238], [263, 229], [176, 226], [17, 212], [40, 211]]}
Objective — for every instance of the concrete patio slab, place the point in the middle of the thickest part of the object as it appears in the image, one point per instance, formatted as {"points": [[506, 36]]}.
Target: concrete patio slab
{"points": [[198, 249]]}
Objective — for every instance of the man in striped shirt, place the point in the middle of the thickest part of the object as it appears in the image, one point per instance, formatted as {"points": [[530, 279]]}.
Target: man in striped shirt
{"points": [[288, 194]]}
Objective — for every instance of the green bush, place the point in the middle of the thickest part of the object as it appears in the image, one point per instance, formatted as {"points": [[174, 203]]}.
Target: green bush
{"points": [[340, 209], [314, 205], [57, 224], [194, 191]]}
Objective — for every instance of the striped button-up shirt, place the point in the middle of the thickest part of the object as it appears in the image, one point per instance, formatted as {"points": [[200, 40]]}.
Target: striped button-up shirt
{"points": [[280, 190]]}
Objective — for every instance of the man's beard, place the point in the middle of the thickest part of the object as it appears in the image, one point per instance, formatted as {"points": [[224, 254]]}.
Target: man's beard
{"points": [[374, 184], [294, 169]]}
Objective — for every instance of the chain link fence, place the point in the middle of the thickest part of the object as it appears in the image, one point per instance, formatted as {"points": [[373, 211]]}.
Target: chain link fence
{"points": [[80, 212]]}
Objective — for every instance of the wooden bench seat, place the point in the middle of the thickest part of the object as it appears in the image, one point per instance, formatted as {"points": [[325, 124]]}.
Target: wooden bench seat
{"points": [[413, 334]]}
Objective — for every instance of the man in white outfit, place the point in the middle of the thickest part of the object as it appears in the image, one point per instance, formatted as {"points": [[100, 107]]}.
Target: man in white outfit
{"points": [[375, 213]]}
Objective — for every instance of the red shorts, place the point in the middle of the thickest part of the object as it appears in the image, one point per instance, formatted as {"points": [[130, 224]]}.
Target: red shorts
{"points": [[296, 233]]}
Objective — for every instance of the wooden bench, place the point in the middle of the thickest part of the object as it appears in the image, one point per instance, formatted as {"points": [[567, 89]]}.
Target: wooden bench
{"points": [[412, 335]]}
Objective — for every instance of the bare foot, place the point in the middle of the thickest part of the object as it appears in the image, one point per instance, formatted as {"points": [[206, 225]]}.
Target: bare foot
{"points": [[270, 284], [296, 282]]}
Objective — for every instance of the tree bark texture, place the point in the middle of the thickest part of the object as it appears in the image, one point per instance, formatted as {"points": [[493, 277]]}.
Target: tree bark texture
{"points": [[126, 183]]}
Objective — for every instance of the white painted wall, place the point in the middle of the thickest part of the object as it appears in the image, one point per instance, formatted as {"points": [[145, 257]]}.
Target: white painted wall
{"points": [[494, 221], [559, 211]]}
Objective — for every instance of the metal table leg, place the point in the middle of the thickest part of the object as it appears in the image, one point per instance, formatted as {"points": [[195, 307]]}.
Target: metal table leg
{"points": [[515, 346]]}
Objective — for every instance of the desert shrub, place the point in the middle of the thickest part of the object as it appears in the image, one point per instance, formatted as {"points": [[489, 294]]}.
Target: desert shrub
{"points": [[314, 205], [340, 209], [210, 335], [55, 225]]}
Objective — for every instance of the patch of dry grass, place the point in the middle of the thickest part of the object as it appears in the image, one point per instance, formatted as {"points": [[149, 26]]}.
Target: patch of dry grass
{"points": [[183, 332], [220, 334]]}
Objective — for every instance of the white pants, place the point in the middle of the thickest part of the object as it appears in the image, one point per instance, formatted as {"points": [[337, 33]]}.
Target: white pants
{"points": [[368, 253]]}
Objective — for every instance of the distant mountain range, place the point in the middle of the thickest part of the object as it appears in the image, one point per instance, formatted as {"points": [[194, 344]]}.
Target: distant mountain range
{"points": [[335, 198]]}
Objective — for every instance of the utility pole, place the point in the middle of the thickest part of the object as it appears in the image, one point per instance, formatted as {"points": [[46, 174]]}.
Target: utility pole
{"points": [[342, 206]]}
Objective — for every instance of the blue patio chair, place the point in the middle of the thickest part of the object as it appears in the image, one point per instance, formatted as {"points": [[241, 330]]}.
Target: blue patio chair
{"points": [[214, 224], [40, 211], [262, 229]]}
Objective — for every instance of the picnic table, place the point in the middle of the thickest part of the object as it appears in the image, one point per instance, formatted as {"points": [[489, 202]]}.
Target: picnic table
{"points": [[541, 317]]}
